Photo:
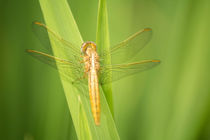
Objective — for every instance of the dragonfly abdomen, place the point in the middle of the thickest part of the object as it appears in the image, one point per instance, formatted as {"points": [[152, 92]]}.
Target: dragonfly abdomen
{"points": [[94, 95]]}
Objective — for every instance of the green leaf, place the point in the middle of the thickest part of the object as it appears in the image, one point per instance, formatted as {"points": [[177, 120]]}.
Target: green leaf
{"points": [[102, 40], [59, 18]]}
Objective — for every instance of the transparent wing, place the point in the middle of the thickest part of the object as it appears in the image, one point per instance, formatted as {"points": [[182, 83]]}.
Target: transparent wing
{"points": [[72, 72], [119, 71], [129, 48], [41, 31]]}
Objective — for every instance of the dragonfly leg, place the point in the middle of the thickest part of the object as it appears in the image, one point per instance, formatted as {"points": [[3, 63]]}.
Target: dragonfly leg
{"points": [[85, 59], [82, 61]]}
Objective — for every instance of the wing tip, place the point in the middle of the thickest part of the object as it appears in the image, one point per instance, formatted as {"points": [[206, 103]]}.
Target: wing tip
{"points": [[37, 23], [157, 61], [29, 51], [147, 29]]}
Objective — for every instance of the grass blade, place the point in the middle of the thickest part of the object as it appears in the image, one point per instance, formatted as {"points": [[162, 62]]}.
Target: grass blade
{"points": [[102, 40], [58, 17]]}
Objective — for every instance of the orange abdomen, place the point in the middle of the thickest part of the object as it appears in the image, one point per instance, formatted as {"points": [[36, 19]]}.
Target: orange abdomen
{"points": [[94, 95]]}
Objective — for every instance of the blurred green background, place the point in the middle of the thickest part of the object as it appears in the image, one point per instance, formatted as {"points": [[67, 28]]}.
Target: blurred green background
{"points": [[169, 102]]}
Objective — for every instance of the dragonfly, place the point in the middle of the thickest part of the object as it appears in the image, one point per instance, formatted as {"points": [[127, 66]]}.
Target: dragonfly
{"points": [[86, 65]]}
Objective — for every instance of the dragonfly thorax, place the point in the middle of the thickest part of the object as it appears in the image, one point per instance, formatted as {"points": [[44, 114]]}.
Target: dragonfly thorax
{"points": [[91, 59]]}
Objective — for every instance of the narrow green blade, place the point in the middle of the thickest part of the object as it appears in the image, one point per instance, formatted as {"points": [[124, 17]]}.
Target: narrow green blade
{"points": [[58, 17], [102, 40]]}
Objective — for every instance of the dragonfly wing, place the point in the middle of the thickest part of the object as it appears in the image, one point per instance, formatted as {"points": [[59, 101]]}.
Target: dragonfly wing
{"points": [[129, 48], [72, 72], [123, 70], [42, 31]]}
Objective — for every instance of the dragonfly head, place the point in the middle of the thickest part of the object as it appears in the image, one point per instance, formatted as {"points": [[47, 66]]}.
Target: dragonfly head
{"points": [[86, 45]]}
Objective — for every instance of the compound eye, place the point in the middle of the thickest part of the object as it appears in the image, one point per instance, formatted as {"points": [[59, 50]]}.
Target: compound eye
{"points": [[93, 45], [83, 47]]}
